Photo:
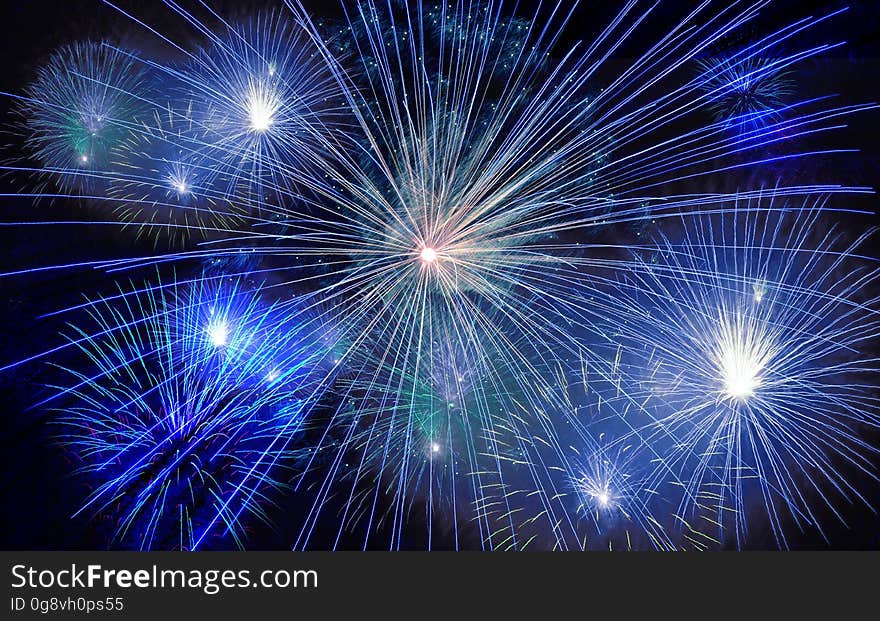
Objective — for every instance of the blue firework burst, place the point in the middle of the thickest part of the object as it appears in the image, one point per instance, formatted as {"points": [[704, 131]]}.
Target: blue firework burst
{"points": [[748, 92], [189, 405], [755, 329], [164, 187], [267, 103], [84, 101]]}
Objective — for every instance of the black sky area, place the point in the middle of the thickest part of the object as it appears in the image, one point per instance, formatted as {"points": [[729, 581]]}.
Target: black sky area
{"points": [[38, 493]]}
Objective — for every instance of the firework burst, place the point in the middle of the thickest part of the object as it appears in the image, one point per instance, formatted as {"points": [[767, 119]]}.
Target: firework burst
{"points": [[83, 102], [265, 101], [755, 330], [164, 187], [746, 93], [483, 167], [194, 395]]}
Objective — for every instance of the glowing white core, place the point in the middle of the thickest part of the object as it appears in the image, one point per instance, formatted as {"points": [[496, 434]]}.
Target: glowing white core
{"points": [[603, 499], [740, 373], [260, 110], [428, 254], [435, 448], [218, 333], [181, 187], [84, 159]]}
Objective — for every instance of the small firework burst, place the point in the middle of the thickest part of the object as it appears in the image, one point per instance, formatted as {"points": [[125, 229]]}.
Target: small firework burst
{"points": [[84, 102]]}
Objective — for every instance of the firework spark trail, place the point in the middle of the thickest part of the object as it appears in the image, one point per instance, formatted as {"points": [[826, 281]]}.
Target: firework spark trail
{"points": [[607, 491], [163, 180]]}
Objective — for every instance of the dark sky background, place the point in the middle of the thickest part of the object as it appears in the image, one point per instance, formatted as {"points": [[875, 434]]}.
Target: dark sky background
{"points": [[38, 494]]}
